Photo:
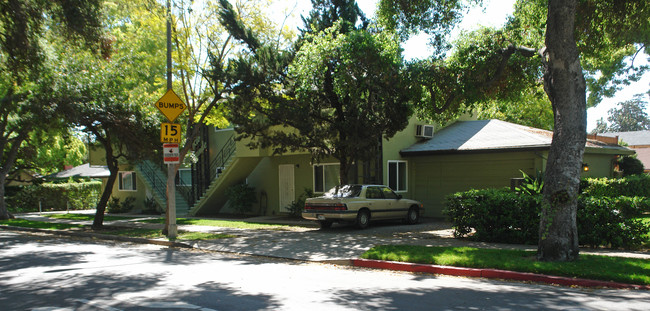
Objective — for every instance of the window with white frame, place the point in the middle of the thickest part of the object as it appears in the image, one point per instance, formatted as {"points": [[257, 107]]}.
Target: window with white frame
{"points": [[397, 175], [184, 177], [126, 181], [326, 176]]}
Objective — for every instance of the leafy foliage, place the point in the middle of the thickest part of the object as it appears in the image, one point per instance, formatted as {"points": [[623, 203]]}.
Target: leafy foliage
{"points": [[54, 196], [241, 197], [50, 150], [296, 207], [435, 18], [116, 207], [500, 215], [610, 221], [150, 206], [26, 81], [631, 116], [630, 166], [495, 215], [340, 93], [531, 185], [630, 186]]}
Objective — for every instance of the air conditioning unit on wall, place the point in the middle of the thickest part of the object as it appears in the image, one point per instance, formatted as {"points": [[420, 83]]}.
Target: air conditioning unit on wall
{"points": [[424, 131]]}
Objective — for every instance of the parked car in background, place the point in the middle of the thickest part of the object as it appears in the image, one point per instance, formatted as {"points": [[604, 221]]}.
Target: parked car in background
{"points": [[360, 204]]}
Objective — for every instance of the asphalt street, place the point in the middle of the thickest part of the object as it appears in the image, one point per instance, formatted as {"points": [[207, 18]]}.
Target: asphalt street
{"points": [[44, 272]]}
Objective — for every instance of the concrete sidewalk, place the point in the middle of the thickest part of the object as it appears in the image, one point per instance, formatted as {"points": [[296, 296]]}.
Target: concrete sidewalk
{"points": [[340, 244]]}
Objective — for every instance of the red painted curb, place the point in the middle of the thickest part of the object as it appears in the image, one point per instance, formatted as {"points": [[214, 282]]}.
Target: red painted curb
{"points": [[491, 274]]}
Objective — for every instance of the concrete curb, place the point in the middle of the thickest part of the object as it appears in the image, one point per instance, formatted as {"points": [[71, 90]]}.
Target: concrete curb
{"points": [[491, 274]]}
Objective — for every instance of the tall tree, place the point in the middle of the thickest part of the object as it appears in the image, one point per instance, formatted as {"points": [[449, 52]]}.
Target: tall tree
{"points": [[25, 78], [631, 116], [539, 42], [201, 49], [565, 85], [98, 103], [338, 95]]}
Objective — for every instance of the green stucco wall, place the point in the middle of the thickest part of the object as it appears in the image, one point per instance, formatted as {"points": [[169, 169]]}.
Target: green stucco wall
{"points": [[435, 176], [265, 178], [140, 193]]}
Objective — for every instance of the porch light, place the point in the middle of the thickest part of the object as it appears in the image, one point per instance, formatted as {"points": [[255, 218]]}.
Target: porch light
{"points": [[585, 167]]}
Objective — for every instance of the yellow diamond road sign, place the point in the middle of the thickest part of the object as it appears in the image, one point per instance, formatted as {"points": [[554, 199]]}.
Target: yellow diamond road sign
{"points": [[171, 105]]}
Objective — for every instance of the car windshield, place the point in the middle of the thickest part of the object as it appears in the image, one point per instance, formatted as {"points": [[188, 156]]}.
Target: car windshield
{"points": [[346, 191]]}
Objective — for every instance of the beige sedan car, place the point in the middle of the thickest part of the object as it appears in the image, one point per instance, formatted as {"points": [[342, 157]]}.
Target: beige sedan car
{"points": [[361, 204]]}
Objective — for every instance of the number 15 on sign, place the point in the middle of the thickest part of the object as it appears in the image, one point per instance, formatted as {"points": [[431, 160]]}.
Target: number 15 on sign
{"points": [[170, 133]]}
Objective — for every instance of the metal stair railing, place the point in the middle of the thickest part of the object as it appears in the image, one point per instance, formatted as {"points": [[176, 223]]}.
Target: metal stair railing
{"points": [[222, 157], [159, 185], [185, 190]]}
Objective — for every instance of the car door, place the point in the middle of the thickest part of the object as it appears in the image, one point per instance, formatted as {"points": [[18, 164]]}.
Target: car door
{"points": [[376, 202], [393, 208]]}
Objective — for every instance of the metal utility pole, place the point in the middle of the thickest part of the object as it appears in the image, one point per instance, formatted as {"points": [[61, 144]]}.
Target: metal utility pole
{"points": [[170, 219]]}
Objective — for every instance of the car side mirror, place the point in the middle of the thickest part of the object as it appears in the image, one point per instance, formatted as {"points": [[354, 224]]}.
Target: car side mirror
{"points": [[399, 196]]}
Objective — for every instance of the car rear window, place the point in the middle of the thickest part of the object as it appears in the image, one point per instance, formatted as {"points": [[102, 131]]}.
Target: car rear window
{"points": [[347, 191]]}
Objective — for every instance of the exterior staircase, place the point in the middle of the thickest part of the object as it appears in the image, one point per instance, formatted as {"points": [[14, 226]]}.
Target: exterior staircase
{"points": [[226, 169], [156, 180], [234, 171]]}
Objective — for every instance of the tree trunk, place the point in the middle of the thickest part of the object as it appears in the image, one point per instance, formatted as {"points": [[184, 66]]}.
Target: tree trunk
{"points": [[4, 213], [9, 160], [113, 168], [565, 86]]}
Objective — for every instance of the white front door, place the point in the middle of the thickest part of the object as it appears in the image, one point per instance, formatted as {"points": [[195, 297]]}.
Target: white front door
{"points": [[287, 187]]}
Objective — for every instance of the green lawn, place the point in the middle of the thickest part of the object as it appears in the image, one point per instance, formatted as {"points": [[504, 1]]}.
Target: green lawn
{"points": [[156, 233], [130, 232], [38, 224], [222, 223], [606, 268], [87, 217]]}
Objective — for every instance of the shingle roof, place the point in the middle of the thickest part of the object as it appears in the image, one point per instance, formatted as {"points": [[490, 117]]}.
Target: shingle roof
{"points": [[84, 170], [643, 154], [635, 138], [490, 135]]}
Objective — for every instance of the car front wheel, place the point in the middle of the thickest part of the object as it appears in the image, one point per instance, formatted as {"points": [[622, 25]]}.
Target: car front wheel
{"points": [[363, 219], [413, 215]]}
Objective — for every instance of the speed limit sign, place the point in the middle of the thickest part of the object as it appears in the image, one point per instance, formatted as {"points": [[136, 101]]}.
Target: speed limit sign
{"points": [[170, 133]]}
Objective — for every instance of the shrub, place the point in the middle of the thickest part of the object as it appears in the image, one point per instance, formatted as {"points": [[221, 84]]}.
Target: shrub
{"points": [[150, 206], [115, 207], [630, 186], [296, 207], [54, 196], [496, 215], [499, 215], [611, 221], [630, 166], [241, 197]]}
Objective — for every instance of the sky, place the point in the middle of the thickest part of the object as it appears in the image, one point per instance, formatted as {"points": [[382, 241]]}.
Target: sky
{"points": [[493, 13]]}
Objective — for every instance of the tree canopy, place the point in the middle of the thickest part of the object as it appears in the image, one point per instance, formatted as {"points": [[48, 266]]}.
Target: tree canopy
{"points": [[337, 94], [630, 116], [26, 81], [549, 42]]}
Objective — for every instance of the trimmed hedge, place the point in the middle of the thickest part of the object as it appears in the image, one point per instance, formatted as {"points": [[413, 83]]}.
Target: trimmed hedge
{"points": [[495, 215], [630, 186], [500, 215], [54, 197], [611, 221]]}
